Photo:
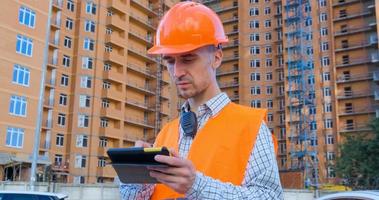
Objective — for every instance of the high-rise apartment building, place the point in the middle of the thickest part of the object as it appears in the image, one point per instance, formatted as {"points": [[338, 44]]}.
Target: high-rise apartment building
{"points": [[101, 91], [342, 52]]}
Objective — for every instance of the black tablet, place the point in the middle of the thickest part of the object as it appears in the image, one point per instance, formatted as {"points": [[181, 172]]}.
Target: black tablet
{"points": [[131, 163]]}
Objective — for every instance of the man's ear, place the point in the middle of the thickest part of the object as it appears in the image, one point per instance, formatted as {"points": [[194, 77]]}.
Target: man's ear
{"points": [[218, 55]]}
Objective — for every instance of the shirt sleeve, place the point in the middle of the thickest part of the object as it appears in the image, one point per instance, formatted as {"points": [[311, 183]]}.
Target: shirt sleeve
{"points": [[261, 179], [136, 191]]}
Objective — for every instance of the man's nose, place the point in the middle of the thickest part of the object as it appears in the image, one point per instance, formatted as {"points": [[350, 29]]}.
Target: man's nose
{"points": [[179, 70]]}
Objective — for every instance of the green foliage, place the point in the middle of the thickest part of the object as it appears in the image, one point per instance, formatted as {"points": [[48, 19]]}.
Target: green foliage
{"points": [[358, 164]]}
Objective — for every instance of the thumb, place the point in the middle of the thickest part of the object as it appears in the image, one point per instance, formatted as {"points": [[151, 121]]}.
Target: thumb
{"points": [[173, 152]]}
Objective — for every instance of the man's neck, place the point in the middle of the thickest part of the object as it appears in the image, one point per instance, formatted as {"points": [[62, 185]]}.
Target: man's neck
{"points": [[200, 99]]}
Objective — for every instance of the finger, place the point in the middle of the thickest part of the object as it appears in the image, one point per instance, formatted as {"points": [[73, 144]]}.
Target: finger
{"points": [[140, 143], [170, 160], [166, 178], [175, 171], [174, 153]]}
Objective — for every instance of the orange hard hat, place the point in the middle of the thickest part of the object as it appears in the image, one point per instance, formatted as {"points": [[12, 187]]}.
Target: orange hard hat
{"points": [[186, 27]]}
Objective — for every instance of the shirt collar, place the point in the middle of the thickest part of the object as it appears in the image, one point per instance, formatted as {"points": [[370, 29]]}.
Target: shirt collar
{"points": [[214, 105]]}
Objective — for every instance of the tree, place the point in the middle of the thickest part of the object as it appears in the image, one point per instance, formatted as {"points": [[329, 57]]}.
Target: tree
{"points": [[358, 163]]}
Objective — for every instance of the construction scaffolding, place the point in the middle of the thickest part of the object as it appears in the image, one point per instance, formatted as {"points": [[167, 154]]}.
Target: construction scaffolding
{"points": [[301, 90]]}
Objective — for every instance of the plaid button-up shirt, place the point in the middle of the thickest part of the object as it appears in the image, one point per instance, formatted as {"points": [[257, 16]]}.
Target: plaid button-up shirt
{"points": [[261, 179]]}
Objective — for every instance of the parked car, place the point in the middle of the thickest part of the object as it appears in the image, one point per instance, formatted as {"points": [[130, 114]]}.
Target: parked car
{"points": [[25, 195], [353, 195]]}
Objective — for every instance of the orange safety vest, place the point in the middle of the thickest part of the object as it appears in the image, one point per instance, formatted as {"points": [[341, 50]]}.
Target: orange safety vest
{"points": [[221, 149]]}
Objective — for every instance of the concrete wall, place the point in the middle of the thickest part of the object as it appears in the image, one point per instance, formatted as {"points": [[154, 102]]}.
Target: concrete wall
{"points": [[111, 192]]}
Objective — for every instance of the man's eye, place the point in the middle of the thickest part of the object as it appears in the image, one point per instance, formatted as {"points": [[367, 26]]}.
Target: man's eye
{"points": [[171, 62], [187, 60]]}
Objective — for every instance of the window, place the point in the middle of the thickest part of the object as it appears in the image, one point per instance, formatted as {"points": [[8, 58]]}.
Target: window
{"points": [[331, 172], [255, 76], [103, 142], [103, 122], [313, 125], [267, 10], [328, 123], [268, 36], [268, 49], [106, 85], [26, 17], [323, 17], [104, 103], [269, 76], [64, 80], [108, 31], [59, 140], [61, 119], [84, 101], [101, 162], [18, 106], [85, 82], [312, 110], [330, 155], [66, 61], [83, 121], [91, 8], [254, 37], [89, 44], [268, 89], [15, 137], [268, 23], [324, 46], [89, 26], [325, 61], [270, 104], [311, 79], [308, 22], [256, 103], [254, 11], [108, 48], [24, 45], [329, 139], [322, 3], [282, 148], [67, 42], [270, 117], [81, 141], [79, 180], [255, 90], [87, 63], [70, 5], [254, 24], [80, 161], [21, 75], [255, 63], [58, 159], [328, 107], [324, 31], [327, 92], [107, 67], [69, 24], [254, 1], [254, 50], [63, 99], [268, 62]]}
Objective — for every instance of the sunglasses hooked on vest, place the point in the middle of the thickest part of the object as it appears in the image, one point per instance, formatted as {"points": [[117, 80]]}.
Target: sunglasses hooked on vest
{"points": [[188, 122]]}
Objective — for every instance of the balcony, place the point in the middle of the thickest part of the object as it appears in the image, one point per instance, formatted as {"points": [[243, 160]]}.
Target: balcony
{"points": [[353, 30], [114, 93], [337, 3], [148, 40], [377, 113], [347, 78], [230, 58], [231, 44], [112, 112], [48, 124], [142, 53], [115, 58], [52, 62], [118, 5], [57, 4], [230, 20], [145, 89], [141, 70], [144, 21], [139, 122], [228, 84], [358, 45], [50, 83], [233, 32], [376, 76], [116, 40], [55, 23], [353, 15], [376, 94], [220, 72], [111, 132], [357, 111], [116, 22], [60, 166], [114, 75], [219, 10], [106, 171], [235, 98], [350, 128], [140, 105], [54, 43], [359, 61], [48, 103], [354, 94], [144, 6]]}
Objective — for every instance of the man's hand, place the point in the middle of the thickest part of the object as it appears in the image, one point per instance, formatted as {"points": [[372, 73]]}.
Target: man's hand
{"points": [[140, 143], [179, 176]]}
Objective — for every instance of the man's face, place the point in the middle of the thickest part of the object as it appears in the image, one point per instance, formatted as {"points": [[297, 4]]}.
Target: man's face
{"points": [[192, 72]]}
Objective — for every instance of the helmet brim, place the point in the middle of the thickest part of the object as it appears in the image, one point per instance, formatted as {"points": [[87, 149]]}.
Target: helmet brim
{"points": [[156, 50]]}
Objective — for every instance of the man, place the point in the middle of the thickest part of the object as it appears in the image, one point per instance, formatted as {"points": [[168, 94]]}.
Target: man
{"points": [[231, 155]]}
